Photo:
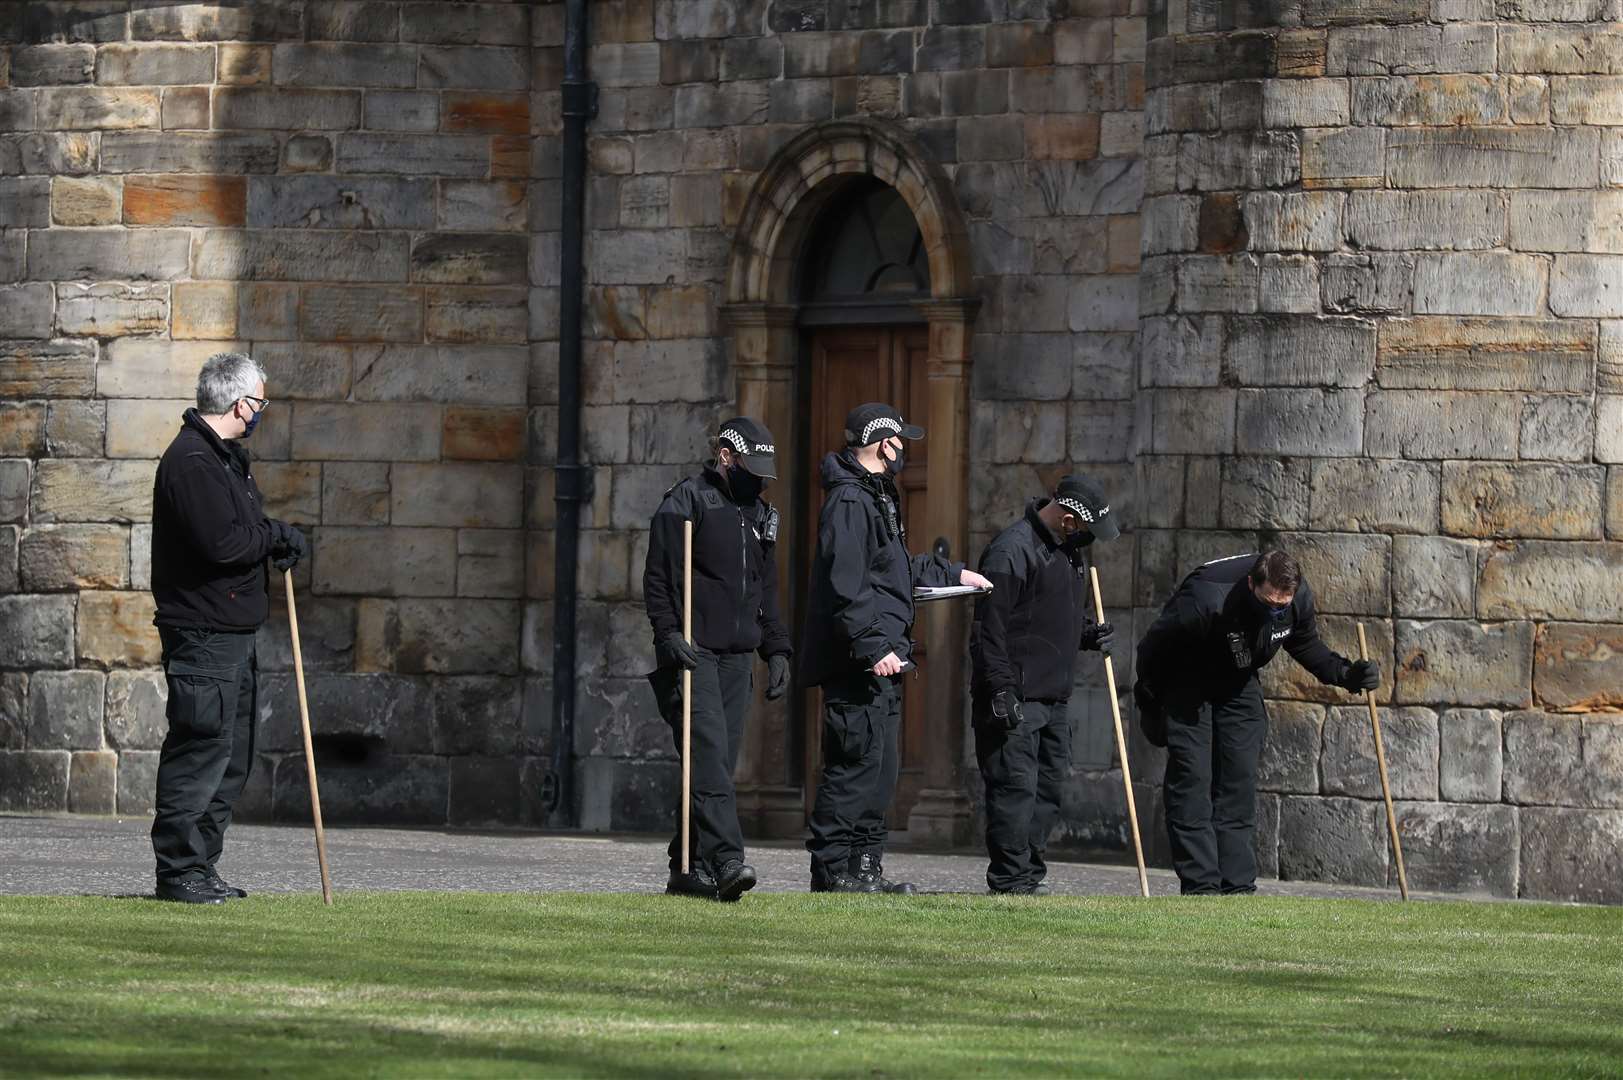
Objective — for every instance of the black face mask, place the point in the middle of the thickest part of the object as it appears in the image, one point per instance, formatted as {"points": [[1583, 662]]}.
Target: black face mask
{"points": [[1265, 611], [1077, 540], [894, 465], [745, 485]]}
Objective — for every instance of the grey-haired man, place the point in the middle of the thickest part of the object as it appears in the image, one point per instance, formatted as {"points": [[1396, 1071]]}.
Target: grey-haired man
{"points": [[210, 540]]}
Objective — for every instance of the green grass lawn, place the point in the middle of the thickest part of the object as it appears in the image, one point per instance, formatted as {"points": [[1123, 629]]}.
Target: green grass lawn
{"points": [[645, 986]]}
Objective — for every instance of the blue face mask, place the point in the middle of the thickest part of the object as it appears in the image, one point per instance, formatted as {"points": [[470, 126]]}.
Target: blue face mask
{"points": [[1269, 611], [253, 422]]}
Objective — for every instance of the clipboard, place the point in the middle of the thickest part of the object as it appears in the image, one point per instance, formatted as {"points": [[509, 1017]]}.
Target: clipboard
{"points": [[925, 594]]}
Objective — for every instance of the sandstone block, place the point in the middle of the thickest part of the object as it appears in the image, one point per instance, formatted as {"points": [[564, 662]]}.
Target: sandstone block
{"points": [[1182, 350], [185, 200], [55, 153], [1405, 50], [1374, 495], [86, 490], [82, 108], [1347, 157], [46, 369], [89, 200], [1557, 760], [1306, 422], [361, 313], [1339, 840], [25, 311], [384, 561], [280, 108], [458, 68], [355, 493], [65, 710], [154, 65], [458, 637], [1465, 663], [1557, 428], [115, 630], [1614, 503], [1493, 157], [1587, 285], [490, 562], [204, 309], [141, 255], [14, 479], [22, 429], [355, 20], [1551, 355], [13, 710], [1433, 577], [458, 496], [1348, 571], [139, 368], [1572, 666], [382, 789], [1479, 283], [1577, 221], [111, 310], [1103, 302], [357, 431], [292, 490], [470, 259], [186, 107], [1558, 502], [92, 782], [1545, 579], [244, 65], [305, 372], [1429, 100], [137, 781], [300, 255], [415, 155], [1243, 161], [1470, 755], [134, 710], [1420, 220], [74, 428], [1267, 493], [52, 558], [1410, 737], [1193, 421], [478, 205], [494, 114], [1609, 428], [1304, 221], [344, 64], [1573, 50], [38, 632], [465, 24], [402, 110], [1429, 425], [180, 152], [477, 315], [485, 375], [1573, 855], [281, 21], [1286, 679], [34, 781], [1290, 757], [52, 65], [1300, 352], [25, 202], [327, 636], [388, 713], [1470, 849], [1224, 283]]}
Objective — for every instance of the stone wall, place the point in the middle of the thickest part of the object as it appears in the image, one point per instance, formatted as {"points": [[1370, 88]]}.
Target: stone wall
{"points": [[342, 189], [1378, 290]]}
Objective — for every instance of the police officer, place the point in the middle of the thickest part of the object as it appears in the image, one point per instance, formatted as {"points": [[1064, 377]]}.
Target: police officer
{"points": [[735, 613], [857, 646], [210, 541], [1198, 695], [1023, 667]]}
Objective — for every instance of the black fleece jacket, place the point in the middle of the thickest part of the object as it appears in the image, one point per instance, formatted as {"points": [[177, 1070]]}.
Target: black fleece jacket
{"points": [[210, 535], [1210, 638], [861, 603], [1027, 631], [735, 576]]}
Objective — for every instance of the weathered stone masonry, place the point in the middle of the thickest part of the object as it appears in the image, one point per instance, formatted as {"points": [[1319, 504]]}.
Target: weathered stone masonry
{"points": [[1345, 274]]}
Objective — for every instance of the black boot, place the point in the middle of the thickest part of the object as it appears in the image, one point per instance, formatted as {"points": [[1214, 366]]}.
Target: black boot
{"points": [[866, 867], [224, 887], [696, 883], [841, 883], [189, 891], [735, 878]]}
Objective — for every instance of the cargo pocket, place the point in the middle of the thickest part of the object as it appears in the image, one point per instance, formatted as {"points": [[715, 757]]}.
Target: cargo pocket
{"points": [[848, 732], [197, 698]]}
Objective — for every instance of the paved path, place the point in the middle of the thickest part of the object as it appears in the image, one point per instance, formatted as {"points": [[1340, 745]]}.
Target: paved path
{"points": [[111, 857]]}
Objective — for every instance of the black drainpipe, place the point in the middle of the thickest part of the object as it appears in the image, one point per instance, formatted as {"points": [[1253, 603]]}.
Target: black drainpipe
{"points": [[572, 482]]}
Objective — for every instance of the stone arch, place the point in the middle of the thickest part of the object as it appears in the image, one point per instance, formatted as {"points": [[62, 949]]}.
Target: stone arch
{"points": [[760, 312]]}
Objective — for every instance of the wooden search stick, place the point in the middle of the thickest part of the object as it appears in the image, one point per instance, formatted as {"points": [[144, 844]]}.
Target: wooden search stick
{"points": [[1121, 742], [1380, 762], [687, 687], [309, 750]]}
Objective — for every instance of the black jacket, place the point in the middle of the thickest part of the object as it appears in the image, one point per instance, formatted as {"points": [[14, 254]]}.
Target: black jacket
{"points": [[1210, 638], [1027, 631], [861, 603], [210, 535], [735, 578]]}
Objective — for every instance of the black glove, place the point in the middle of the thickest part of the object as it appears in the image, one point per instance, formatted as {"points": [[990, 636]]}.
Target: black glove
{"points": [[674, 651], [1098, 637], [777, 676], [1152, 721], [1006, 709], [288, 546], [1361, 675]]}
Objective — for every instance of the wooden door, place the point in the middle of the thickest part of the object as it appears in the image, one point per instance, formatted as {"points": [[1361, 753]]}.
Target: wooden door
{"points": [[849, 366]]}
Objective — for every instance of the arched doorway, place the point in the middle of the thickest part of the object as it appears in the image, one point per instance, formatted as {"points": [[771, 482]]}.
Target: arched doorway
{"points": [[850, 278]]}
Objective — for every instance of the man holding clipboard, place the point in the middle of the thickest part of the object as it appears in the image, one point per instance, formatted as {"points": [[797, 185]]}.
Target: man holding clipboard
{"points": [[857, 646]]}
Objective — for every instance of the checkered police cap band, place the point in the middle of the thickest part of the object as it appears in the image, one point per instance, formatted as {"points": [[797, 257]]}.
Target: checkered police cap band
{"points": [[876, 424], [735, 440], [1082, 511]]}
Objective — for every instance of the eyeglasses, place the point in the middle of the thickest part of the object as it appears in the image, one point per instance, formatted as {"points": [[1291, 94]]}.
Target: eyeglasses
{"points": [[261, 403]]}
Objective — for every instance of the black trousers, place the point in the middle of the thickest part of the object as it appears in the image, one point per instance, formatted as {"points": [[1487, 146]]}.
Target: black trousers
{"points": [[1024, 771], [722, 685], [862, 718], [1211, 788], [213, 698]]}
